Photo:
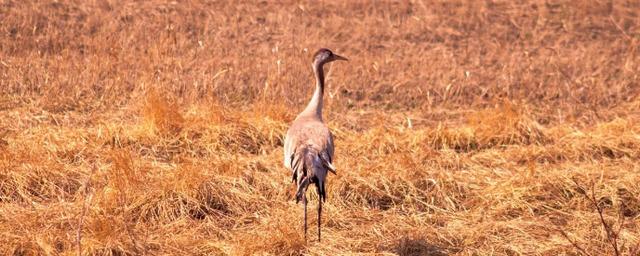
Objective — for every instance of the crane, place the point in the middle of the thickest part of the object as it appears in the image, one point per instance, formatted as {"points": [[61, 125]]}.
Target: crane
{"points": [[308, 145]]}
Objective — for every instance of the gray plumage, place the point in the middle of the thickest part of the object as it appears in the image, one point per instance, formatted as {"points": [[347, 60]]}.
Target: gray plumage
{"points": [[308, 145]]}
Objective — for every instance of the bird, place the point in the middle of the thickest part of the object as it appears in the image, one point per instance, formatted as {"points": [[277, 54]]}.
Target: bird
{"points": [[308, 145]]}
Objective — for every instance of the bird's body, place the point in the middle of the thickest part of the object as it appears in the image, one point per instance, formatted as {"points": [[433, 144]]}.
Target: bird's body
{"points": [[308, 147], [309, 138]]}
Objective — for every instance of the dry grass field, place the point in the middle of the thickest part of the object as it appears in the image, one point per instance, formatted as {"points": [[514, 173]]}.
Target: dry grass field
{"points": [[461, 127]]}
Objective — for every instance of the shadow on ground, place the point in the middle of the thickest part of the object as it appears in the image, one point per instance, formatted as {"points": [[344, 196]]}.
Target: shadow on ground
{"points": [[411, 247]]}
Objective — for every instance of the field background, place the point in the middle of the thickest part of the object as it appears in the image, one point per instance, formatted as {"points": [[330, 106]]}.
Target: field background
{"points": [[462, 127]]}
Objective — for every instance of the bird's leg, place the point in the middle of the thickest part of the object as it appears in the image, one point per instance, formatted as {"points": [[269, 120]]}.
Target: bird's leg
{"points": [[319, 217], [304, 202]]}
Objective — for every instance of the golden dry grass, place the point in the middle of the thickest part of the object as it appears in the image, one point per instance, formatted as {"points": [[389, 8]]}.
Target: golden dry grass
{"points": [[462, 127]]}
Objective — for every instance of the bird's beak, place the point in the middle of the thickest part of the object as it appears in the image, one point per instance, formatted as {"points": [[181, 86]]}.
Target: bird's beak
{"points": [[338, 57]]}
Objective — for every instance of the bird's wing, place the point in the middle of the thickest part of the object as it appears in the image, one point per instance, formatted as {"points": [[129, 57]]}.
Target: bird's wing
{"points": [[330, 147], [293, 156], [327, 154], [289, 149]]}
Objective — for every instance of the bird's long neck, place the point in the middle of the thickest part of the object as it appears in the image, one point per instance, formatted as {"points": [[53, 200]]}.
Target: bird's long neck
{"points": [[315, 104]]}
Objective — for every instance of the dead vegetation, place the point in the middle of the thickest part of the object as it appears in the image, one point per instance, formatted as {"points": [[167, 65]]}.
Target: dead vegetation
{"points": [[462, 127]]}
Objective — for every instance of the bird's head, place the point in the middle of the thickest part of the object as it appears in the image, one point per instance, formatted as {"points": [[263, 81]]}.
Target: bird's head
{"points": [[324, 56]]}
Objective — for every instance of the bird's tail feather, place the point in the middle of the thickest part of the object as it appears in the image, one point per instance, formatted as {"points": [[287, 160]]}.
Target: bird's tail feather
{"points": [[313, 169], [327, 163], [302, 188]]}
